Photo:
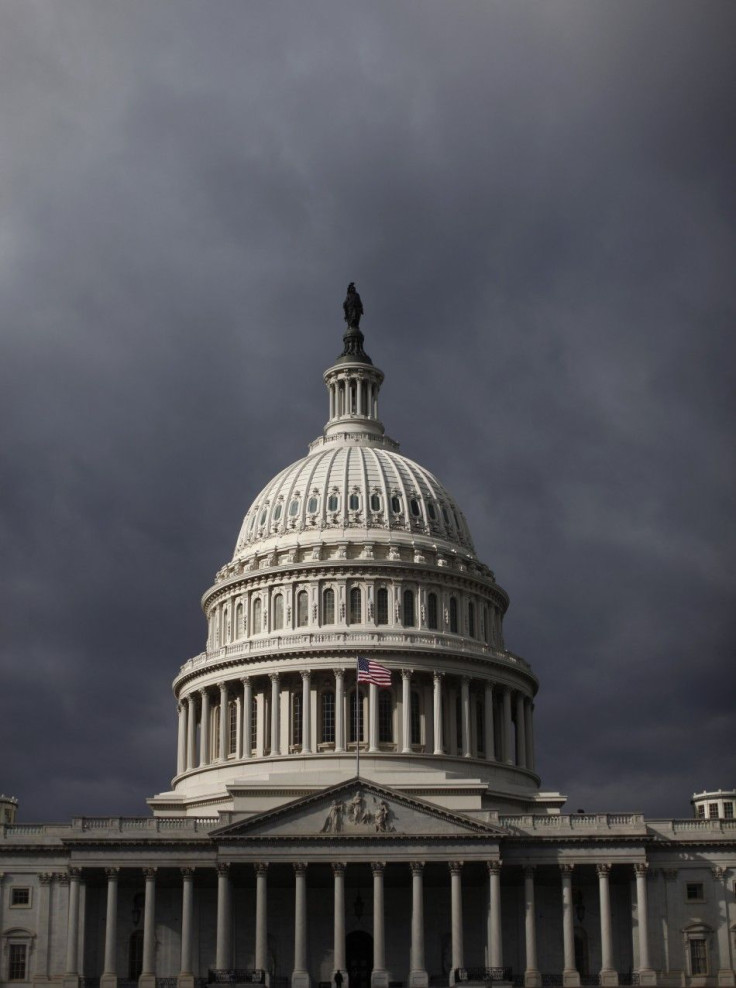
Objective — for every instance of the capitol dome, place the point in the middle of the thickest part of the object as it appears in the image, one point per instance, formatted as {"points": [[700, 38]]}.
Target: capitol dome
{"points": [[354, 550]]}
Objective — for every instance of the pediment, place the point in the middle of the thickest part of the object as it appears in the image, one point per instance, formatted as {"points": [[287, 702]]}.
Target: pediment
{"points": [[358, 809]]}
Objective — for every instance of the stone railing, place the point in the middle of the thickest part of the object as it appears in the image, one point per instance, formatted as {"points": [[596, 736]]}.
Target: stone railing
{"points": [[561, 823], [236, 976], [110, 825]]}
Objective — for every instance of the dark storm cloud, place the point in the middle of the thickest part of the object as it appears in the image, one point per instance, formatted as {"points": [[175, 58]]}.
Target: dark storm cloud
{"points": [[537, 204]]}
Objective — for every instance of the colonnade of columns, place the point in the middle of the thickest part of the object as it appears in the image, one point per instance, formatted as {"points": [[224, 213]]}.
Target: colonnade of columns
{"points": [[495, 720], [418, 974]]}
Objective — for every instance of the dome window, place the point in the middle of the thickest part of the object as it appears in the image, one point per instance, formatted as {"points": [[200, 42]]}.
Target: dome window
{"points": [[333, 502], [312, 505], [415, 509], [354, 502], [375, 502], [328, 606], [453, 615], [264, 515], [445, 516], [432, 511], [432, 611], [382, 606], [277, 512], [396, 504], [294, 508], [408, 601]]}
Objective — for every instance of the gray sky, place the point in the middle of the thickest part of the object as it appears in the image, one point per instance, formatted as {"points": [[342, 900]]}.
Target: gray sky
{"points": [[536, 201]]}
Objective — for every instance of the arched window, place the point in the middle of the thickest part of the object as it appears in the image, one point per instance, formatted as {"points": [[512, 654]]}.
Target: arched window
{"points": [[278, 611], [471, 619], [409, 609], [333, 502], [232, 727], [239, 619], [352, 719], [432, 611], [257, 616], [302, 609], [215, 733], [416, 720], [453, 615], [328, 606], [327, 719], [312, 504], [356, 606], [382, 606], [135, 955], [296, 719], [385, 717]]}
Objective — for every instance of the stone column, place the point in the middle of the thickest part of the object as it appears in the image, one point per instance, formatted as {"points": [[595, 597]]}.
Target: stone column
{"points": [[495, 955], [191, 732], [223, 948], [490, 741], [437, 697], [456, 902], [379, 975], [224, 725], [72, 929], [406, 711], [109, 977], [41, 965], [338, 871], [570, 974], [186, 975], [306, 713], [372, 716], [609, 976], [418, 977], [507, 725], [148, 972], [181, 747], [646, 974], [247, 716], [725, 975], [300, 975], [529, 707], [339, 710], [204, 729], [238, 727], [261, 952], [275, 715], [465, 715], [520, 731], [532, 977]]}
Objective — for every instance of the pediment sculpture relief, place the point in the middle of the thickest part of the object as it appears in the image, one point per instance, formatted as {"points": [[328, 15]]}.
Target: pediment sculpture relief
{"points": [[355, 816]]}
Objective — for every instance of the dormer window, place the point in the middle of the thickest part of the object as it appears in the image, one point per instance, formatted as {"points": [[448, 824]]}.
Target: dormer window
{"points": [[431, 510], [277, 512]]}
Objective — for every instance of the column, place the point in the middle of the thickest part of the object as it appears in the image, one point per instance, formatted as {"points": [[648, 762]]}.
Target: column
{"points": [[507, 725], [306, 714], [186, 975], [465, 715], [529, 707], [406, 711], [109, 977], [261, 951], [339, 710], [238, 727], [532, 977], [418, 977], [72, 929], [379, 975], [372, 717], [275, 715], [148, 972], [495, 954], [725, 973], [520, 731], [247, 716], [223, 949], [646, 974], [608, 975], [456, 902], [570, 974], [490, 739], [204, 729], [300, 975], [181, 747], [224, 725], [191, 732], [437, 704], [338, 871], [41, 965]]}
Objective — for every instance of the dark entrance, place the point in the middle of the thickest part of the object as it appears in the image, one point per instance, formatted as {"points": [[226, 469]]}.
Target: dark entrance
{"points": [[359, 958]]}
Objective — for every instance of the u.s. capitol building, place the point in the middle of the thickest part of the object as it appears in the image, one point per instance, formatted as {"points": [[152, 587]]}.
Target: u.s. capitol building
{"points": [[325, 832]]}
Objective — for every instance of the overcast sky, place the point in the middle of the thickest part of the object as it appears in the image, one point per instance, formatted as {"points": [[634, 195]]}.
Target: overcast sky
{"points": [[536, 201]]}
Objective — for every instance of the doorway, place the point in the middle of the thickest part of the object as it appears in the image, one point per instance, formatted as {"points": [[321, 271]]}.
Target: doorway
{"points": [[359, 958]]}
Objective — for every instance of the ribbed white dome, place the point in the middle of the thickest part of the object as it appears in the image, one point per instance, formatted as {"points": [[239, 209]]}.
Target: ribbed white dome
{"points": [[353, 490]]}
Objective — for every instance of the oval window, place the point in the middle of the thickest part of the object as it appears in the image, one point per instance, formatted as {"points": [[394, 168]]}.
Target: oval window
{"points": [[333, 502], [312, 505], [431, 510], [264, 513], [294, 507], [277, 512], [375, 502], [396, 504], [415, 509], [354, 502]]}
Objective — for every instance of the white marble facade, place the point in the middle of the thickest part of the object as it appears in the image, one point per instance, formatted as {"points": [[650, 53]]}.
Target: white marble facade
{"points": [[273, 858]]}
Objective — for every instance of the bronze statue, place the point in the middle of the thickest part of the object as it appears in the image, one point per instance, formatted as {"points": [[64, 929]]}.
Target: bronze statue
{"points": [[352, 307]]}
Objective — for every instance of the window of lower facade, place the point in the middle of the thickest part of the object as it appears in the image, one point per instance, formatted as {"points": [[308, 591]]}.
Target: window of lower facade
{"points": [[20, 897], [17, 962], [327, 718], [695, 891], [385, 717], [698, 956]]}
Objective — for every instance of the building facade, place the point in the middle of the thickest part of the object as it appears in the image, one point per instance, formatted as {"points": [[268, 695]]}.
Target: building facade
{"points": [[321, 830]]}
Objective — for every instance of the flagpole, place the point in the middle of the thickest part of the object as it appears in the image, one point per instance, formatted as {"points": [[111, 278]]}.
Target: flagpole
{"points": [[357, 721]]}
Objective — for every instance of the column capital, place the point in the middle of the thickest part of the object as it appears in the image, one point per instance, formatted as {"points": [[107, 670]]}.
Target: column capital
{"points": [[377, 867], [203, 691], [223, 868], [719, 874], [438, 676], [566, 868], [112, 872], [529, 870], [245, 680], [149, 873], [75, 873], [494, 867], [407, 673], [465, 680], [603, 869], [62, 877], [306, 675], [338, 867], [641, 867], [222, 686], [261, 867], [455, 867], [339, 674], [274, 676], [417, 867], [187, 872], [300, 867], [45, 878]]}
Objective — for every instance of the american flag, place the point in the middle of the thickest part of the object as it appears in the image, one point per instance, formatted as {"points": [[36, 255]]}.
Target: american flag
{"points": [[372, 672]]}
